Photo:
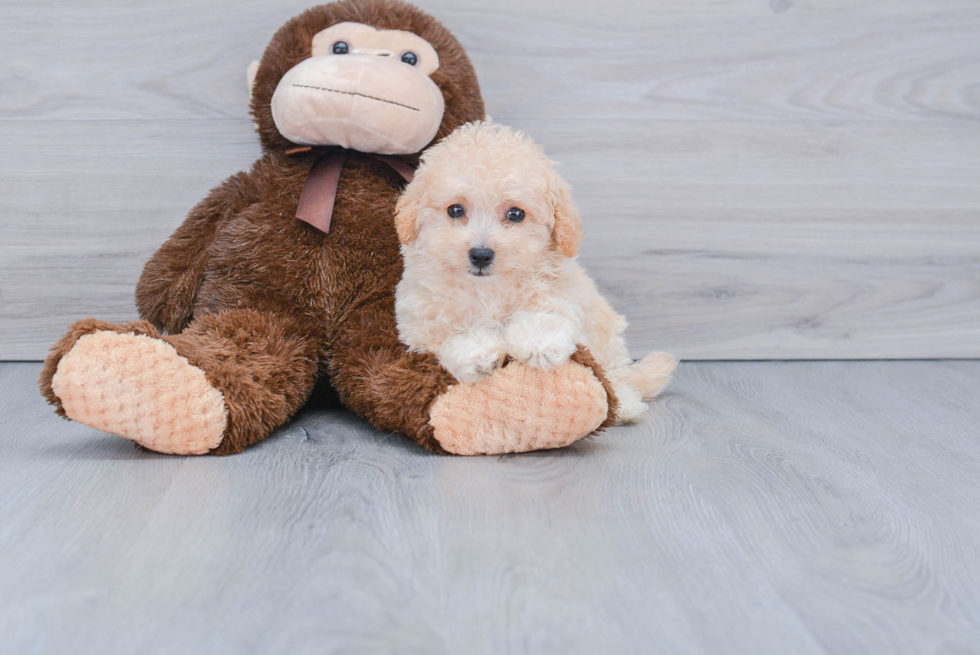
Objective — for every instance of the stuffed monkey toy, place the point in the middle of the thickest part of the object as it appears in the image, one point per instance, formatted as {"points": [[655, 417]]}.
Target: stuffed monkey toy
{"points": [[286, 273]]}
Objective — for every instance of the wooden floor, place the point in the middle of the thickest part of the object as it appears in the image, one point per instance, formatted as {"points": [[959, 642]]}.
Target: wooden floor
{"points": [[820, 507]]}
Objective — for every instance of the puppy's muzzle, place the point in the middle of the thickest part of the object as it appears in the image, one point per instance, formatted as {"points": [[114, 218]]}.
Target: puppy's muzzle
{"points": [[481, 257]]}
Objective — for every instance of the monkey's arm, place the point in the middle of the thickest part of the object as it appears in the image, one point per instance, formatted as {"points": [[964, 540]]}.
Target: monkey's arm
{"points": [[168, 287]]}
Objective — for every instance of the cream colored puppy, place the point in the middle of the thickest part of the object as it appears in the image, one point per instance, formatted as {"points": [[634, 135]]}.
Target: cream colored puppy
{"points": [[489, 234]]}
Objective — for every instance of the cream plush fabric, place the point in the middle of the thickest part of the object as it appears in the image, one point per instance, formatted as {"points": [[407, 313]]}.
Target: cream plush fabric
{"points": [[140, 389], [367, 99]]}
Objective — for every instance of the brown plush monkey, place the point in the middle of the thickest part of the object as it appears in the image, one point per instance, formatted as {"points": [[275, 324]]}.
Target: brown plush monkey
{"points": [[246, 306]]}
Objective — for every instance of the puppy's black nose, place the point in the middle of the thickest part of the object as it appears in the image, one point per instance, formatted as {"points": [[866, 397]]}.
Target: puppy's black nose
{"points": [[481, 257]]}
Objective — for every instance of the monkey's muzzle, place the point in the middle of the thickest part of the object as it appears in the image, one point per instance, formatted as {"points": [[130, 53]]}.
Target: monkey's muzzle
{"points": [[371, 104]]}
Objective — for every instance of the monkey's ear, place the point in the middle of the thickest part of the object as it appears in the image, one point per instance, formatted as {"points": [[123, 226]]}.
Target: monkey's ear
{"points": [[568, 223], [407, 214], [253, 70]]}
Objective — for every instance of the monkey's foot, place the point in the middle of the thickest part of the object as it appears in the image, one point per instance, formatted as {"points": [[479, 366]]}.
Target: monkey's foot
{"points": [[519, 408], [140, 388]]}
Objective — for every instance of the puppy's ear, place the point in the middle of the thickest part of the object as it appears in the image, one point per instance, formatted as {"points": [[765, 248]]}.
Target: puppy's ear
{"points": [[407, 215], [567, 234]]}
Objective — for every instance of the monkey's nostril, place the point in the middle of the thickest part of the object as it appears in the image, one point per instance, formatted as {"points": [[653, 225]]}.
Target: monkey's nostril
{"points": [[481, 257]]}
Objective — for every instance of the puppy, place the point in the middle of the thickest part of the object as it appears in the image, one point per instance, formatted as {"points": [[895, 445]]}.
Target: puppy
{"points": [[489, 235]]}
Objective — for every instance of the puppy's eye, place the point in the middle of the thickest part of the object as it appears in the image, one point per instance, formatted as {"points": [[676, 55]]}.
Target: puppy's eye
{"points": [[455, 211], [410, 58], [515, 214], [340, 48]]}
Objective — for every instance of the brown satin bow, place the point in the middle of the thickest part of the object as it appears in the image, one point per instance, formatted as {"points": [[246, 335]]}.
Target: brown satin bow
{"points": [[320, 191]]}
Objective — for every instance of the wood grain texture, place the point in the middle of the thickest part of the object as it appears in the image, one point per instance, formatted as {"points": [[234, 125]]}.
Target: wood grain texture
{"points": [[781, 179], [893, 60], [771, 507]]}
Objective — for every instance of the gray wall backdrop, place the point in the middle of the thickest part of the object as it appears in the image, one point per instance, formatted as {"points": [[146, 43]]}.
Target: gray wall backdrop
{"points": [[759, 178]]}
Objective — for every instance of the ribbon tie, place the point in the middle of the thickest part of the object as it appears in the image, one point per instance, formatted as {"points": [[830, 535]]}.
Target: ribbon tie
{"points": [[320, 191]]}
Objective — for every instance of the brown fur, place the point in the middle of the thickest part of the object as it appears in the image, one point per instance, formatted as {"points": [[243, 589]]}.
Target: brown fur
{"points": [[265, 303], [584, 357]]}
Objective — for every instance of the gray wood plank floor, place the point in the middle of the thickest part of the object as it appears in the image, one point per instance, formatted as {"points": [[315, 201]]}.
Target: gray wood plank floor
{"points": [[821, 507], [759, 178]]}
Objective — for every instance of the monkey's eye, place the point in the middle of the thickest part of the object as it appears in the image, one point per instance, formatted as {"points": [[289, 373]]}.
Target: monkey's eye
{"points": [[515, 215], [455, 211], [410, 58], [340, 48]]}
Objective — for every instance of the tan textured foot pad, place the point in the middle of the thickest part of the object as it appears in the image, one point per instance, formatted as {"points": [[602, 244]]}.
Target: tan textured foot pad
{"points": [[140, 388], [518, 409]]}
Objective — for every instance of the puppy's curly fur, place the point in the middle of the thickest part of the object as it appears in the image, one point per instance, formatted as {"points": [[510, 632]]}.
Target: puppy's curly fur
{"points": [[533, 302]]}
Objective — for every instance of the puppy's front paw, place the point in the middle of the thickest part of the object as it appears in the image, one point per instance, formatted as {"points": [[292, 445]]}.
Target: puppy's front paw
{"points": [[474, 367], [471, 358], [541, 340], [547, 351]]}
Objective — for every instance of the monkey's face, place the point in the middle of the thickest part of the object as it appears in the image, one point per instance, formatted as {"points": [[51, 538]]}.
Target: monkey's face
{"points": [[373, 75], [362, 88]]}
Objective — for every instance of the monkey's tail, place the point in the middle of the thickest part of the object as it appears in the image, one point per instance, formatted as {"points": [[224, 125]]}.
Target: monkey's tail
{"points": [[652, 373]]}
